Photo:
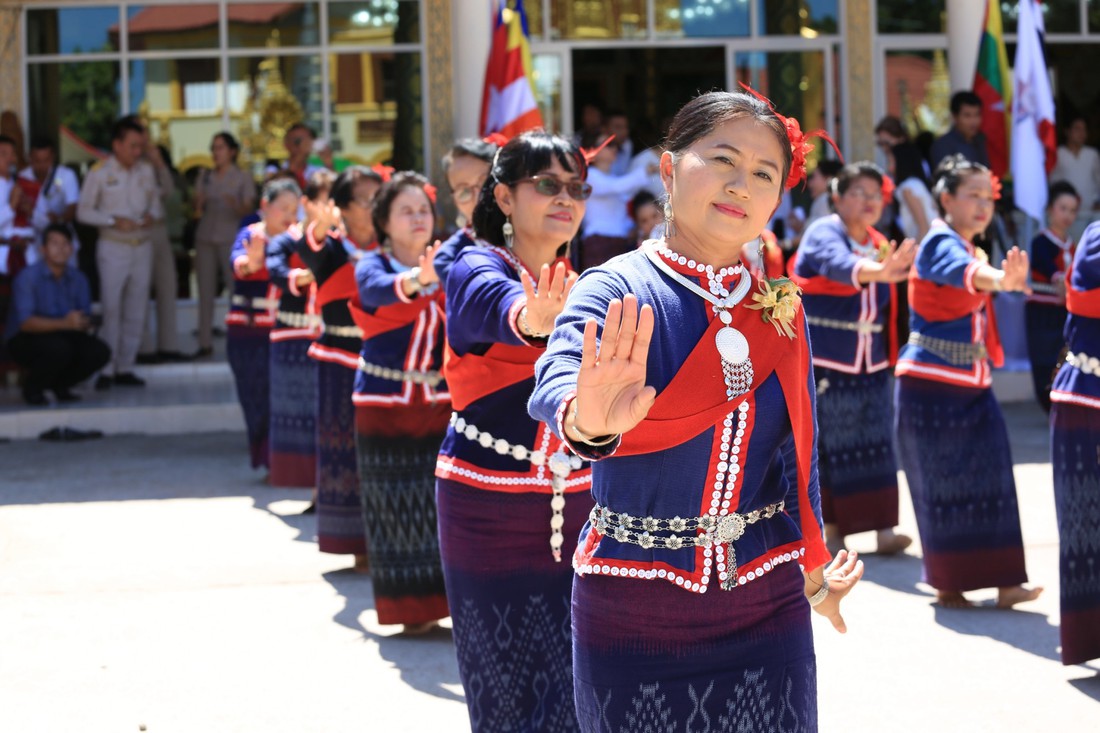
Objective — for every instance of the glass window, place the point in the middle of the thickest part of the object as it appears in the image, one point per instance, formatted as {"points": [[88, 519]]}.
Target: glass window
{"points": [[1059, 16], [547, 82], [72, 30], [164, 27], [181, 102], [807, 18], [1094, 16], [265, 96], [75, 104], [912, 16], [377, 114], [374, 22], [585, 19], [701, 18], [793, 80], [256, 25], [918, 90]]}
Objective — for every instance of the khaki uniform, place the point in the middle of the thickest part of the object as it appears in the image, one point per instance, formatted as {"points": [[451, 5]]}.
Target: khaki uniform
{"points": [[125, 259], [165, 278]]}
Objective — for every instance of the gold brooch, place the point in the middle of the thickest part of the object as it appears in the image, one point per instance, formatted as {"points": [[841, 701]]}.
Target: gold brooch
{"points": [[778, 300]]}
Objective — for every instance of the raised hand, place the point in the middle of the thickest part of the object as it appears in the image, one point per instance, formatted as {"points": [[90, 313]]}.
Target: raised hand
{"points": [[257, 244], [545, 304], [896, 266], [426, 263], [612, 396], [1016, 268], [843, 573]]}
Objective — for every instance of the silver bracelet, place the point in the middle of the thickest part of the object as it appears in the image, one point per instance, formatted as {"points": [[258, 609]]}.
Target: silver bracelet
{"points": [[526, 329], [818, 598], [596, 442]]}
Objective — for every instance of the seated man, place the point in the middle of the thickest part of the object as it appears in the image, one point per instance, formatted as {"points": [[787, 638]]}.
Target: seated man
{"points": [[47, 328]]}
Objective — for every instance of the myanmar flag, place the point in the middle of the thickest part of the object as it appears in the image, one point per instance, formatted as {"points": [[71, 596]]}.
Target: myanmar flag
{"points": [[508, 102], [993, 84]]}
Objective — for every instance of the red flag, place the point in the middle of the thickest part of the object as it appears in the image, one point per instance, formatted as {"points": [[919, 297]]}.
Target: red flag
{"points": [[508, 103], [992, 84]]}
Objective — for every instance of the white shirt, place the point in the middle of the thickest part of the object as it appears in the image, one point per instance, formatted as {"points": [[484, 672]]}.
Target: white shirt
{"points": [[643, 160], [908, 223], [606, 214], [64, 192], [1082, 171]]}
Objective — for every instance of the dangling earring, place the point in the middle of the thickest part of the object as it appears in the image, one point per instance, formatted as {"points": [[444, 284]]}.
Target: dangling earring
{"points": [[509, 232], [460, 220], [670, 225]]}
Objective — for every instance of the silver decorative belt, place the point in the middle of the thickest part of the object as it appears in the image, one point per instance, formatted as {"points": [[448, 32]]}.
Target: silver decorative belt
{"points": [[957, 353], [351, 332], [561, 464], [260, 304], [431, 378], [298, 320], [641, 531], [1084, 362], [858, 326]]}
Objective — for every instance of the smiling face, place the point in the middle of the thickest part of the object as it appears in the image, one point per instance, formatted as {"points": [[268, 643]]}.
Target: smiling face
{"points": [[724, 188], [542, 221], [860, 206], [970, 209], [409, 224], [466, 176]]}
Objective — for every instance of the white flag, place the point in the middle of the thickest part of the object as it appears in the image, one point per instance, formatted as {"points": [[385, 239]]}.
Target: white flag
{"points": [[1032, 115]]}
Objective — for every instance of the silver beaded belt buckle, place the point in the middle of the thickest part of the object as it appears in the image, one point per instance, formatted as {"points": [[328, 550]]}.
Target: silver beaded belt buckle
{"points": [[430, 378], [1084, 362], [953, 352], [716, 530], [298, 320], [351, 332], [859, 326]]}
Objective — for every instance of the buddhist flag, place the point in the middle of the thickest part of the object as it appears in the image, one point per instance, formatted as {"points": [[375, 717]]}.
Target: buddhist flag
{"points": [[508, 102], [993, 84], [1034, 146]]}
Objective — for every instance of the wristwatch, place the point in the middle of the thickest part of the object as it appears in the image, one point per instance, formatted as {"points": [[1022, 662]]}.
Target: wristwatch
{"points": [[414, 277]]}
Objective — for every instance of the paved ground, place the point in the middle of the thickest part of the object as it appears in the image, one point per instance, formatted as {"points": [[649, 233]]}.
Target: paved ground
{"points": [[152, 581]]}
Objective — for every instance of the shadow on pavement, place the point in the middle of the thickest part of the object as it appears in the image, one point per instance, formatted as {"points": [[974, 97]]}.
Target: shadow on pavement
{"points": [[1089, 685], [426, 662], [304, 524], [1026, 630], [896, 572]]}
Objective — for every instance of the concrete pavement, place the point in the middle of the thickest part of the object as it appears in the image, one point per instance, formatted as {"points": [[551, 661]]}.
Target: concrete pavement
{"points": [[154, 581]]}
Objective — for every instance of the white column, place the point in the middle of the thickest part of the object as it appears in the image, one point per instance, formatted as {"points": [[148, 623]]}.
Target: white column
{"points": [[471, 28], [965, 22]]}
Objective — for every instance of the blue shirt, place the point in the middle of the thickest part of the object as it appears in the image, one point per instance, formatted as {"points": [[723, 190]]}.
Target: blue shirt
{"points": [[37, 292]]}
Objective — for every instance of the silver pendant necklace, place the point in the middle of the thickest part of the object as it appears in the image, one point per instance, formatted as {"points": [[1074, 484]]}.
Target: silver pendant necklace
{"points": [[732, 346]]}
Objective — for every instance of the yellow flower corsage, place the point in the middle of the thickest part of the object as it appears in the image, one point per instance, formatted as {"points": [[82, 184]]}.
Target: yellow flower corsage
{"points": [[882, 252], [779, 299]]}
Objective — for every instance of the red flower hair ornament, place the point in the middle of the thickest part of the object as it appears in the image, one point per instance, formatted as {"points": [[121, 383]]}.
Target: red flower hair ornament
{"points": [[800, 145], [495, 138], [383, 170], [590, 155], [430, 190], [996, 181], [888, 189]]}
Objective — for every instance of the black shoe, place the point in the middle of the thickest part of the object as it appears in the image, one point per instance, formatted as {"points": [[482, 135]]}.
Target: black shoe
{"points": [[66, 395], [69, 435], [311, 509], [103, 383], [148, 358], [129, 379], [204, 353], [173, 356], [34, 396]]}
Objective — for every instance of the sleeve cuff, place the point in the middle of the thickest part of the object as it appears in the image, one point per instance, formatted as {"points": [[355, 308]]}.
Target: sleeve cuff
{"points": [[292, 281], [968, 276], [238, 265], [399, 287], [855, 272], [311, 242], [584, 450]]}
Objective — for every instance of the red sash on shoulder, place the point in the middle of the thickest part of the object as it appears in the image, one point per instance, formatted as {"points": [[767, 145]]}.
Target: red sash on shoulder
{"points": [[340, 286], [1082, 302], [473, 376]]}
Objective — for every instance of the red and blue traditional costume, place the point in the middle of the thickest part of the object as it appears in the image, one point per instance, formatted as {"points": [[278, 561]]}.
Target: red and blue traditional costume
{"points": [[401, 411], [248, 324], [331, 258], [501, 504], [1075, 454], [449, 251], [1045, 310], [951, 436], [854, 337], [709, 492], [293, 374]]}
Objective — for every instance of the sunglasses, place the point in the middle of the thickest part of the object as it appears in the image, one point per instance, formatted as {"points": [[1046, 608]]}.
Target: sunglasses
{"points": [[550, 186], [465, 194]]}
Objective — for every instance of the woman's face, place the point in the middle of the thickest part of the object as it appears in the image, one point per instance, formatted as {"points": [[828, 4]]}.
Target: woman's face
{"points": [[466, 176], [1062, 212], [221, 152], [647, 217], [970, 209], [409, 225], [726, 186], [861, 205], [356, 214], [539, 219], [280, 213]]}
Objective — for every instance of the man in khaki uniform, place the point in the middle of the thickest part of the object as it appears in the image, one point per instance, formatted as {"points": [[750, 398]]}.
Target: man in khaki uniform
{"points": [[122, 199]]}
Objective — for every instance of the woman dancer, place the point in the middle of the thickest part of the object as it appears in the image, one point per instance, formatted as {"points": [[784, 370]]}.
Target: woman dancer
{"points": [[401, 405], [331, 254], [1045, 310], [689, 602], [847, 271], [511, 498], [297, 324], [951, 436], [252, 313], [1075, 434], [466, 166]]}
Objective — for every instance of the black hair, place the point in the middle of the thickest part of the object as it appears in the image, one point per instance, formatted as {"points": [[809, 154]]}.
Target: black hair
{"points": [[470, 147], [640, 199], [699, 117], [1061, 188], [524, 156], [126, 124], [950, 174], [848, 174], [276, 187], [43, 143], [343, 188], [383, 202], [893, 127], [829, 167], [57, 228], [1070, 119], [319, 184], [6, 140], [908, 163], [301, 126], [230, 142], [965, 98]]}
